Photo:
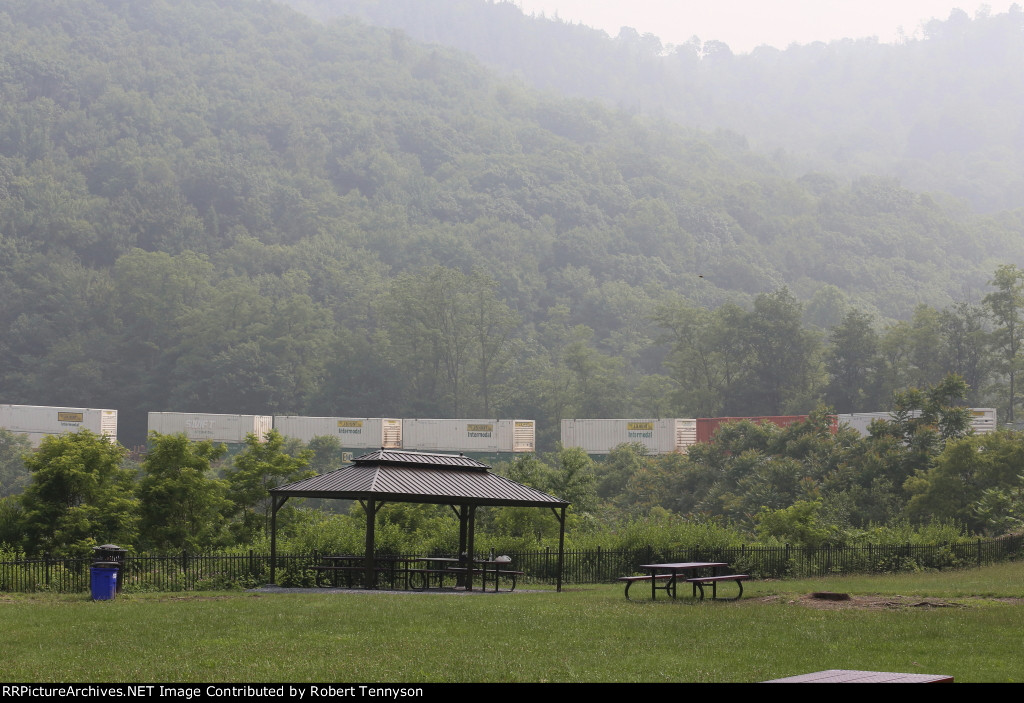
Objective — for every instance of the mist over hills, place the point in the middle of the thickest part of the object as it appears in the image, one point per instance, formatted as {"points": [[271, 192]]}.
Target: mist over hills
{"points": [[943, 112], [229, 207]]}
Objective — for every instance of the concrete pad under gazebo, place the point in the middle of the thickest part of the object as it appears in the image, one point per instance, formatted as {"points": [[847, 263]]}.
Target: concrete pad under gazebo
{"points": [[396, 476]]}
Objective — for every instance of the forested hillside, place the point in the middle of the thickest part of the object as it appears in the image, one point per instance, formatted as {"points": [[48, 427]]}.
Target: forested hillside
{"points": [[229, 207], [942, 111]]}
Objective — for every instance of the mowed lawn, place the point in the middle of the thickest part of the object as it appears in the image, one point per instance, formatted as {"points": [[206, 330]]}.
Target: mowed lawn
{"points": [[966, 624]]}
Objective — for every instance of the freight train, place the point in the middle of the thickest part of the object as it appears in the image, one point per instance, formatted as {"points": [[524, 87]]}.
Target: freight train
{"points": [[481, 438]]}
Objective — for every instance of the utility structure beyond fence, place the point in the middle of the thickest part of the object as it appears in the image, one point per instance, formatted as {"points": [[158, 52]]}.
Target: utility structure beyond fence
{"points": [[198, 572]]}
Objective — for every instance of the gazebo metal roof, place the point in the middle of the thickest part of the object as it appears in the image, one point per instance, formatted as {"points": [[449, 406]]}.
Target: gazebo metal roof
{"points": [[389, 475], [419, 477]]}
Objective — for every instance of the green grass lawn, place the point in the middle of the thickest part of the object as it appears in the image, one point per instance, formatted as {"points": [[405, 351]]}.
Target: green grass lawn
{"points": [[588, 634]]}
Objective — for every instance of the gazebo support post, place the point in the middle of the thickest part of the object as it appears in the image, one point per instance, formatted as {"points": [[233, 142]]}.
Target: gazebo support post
{"points": [[470, 533], [561, 544], [463, 527], [370, 581], [276, 504]]}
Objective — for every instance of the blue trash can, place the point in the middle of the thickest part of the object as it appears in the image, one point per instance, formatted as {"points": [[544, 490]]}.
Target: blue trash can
{"points": [[103, 580]]}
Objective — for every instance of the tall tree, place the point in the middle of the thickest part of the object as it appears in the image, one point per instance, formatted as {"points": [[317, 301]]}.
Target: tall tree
{"points": [[853, 363], [967, 349], [181, 505], [782, 369], [262, 465], [1006, 306]]}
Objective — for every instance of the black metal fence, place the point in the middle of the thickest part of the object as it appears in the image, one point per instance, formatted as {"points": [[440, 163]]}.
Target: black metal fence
{"points": [[195, 572]]}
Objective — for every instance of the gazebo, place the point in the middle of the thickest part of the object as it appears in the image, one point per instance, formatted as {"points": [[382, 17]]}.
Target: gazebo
{"points": [[397, 476]]}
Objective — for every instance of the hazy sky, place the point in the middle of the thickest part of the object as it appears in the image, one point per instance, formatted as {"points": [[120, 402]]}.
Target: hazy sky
{"points": [[745, 24]]}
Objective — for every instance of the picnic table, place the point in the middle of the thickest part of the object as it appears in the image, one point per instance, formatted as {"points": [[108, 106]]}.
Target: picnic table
{"points": [[669, 574], [417, 573], [459, 567], [352, 566], [419, 577], [496, 569]]}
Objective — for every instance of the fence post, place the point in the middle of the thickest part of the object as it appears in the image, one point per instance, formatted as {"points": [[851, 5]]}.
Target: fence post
{"points": [[979, 551]]}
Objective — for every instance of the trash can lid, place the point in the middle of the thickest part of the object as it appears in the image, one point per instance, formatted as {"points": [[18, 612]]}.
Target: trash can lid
{"points": [[108, 546], [107, 564]]}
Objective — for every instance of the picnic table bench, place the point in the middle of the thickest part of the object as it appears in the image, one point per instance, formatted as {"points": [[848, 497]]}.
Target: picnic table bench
{"points": [[630, 580], [713, 581], [496, 573]]}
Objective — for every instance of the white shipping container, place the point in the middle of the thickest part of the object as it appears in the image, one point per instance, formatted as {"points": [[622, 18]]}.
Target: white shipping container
{"points": [[603, 435], [38, 421], [482, 436], [230, 429], [983, 420], [353, 432]]}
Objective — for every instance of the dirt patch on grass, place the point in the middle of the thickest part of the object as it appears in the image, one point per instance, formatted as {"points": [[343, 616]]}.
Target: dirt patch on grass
{"points": [[878, 602]]}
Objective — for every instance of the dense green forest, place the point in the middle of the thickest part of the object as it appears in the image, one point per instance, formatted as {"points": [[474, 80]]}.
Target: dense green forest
{"points": [[943, 110], [229, 207]]}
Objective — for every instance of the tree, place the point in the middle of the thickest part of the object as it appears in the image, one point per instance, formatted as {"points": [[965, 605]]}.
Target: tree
{"points": [[262, 465], [1006, 306], [574, 480], [79, 495], [707, 354], [781, 372], [430, 320], [967, 351], [800, 524], [853, 363], [181, 506], [618, 468], [494, 323], [976, 480]]}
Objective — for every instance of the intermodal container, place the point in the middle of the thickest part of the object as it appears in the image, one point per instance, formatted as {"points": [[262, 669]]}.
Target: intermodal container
{"points": [[469, 436], [600, 436], [352, 432], [983, 420], [38, 421], [228, 429]]}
